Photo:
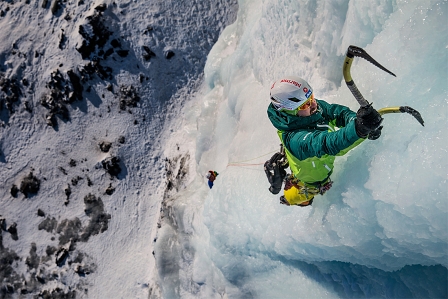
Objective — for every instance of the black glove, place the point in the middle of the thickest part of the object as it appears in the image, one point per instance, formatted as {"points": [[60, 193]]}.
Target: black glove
{"points": [[275, 173], [375, 134], [367, 120]]}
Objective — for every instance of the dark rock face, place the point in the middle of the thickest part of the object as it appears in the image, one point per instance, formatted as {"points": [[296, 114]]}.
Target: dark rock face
{"points": [[72, 163], [14, 191], [9, 278], [128, 97], [75, 81], [68, 192], [75, 181], [169, 54], [72, 231], [12, 229], [64, 256], [57, 293], [60, 93], [102, 7], [49, 224], [148, 53], [112, 166], [50, 250], [176, 178], [55, 6], [123, 53], [94, 67], [10, 93], [115, 43], [33, 260], [99, 220], [105, 146], [2, 223], [69, 230], [61, 256], [30, 185], [110, 190], [95, 34]]}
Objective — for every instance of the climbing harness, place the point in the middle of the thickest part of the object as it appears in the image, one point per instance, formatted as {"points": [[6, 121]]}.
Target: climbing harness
{"points": [[283, 201], [306, 188], [283, 161], [298, 193]]}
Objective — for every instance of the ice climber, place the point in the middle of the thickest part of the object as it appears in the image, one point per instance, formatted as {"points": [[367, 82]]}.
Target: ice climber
{"points": [[211, 176], [312, 133]]}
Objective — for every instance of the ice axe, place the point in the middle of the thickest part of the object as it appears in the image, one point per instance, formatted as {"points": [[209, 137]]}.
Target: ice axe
{"points": [[353, 51]]}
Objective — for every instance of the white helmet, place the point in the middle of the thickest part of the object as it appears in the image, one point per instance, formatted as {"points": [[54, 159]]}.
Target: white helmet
{"points": [[290, 93]]}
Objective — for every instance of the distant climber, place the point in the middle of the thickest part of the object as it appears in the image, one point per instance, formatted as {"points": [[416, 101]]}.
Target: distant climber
{"points": [[211, 176], [310, 141]]}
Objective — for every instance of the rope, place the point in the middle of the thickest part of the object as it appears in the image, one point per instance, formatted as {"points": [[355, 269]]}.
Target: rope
{"points": [[248, 168], [242, 164]]}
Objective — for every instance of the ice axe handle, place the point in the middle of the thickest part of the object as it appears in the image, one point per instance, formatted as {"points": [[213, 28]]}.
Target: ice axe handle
{"points": [[357, 94], [349, 81]]}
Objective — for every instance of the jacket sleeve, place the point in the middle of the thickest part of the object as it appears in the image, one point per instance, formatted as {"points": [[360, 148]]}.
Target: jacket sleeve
{"points": [[310, 143], [342, 114]]}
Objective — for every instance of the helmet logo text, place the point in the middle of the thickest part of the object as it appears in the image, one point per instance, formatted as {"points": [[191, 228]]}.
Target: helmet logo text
{"points": [[291, 82]]}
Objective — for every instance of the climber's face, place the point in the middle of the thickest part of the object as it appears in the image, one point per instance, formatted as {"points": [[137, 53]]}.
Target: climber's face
{"points": [[308, 108]]}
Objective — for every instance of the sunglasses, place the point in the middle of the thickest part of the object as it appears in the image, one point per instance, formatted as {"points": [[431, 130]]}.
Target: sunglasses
{"points": [[307, 104]]}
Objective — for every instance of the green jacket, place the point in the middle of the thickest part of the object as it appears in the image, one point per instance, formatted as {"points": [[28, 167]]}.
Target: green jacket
{"points": [[311, 143]]}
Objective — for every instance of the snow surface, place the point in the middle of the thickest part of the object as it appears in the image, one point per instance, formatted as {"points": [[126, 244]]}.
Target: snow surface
{"points": [[380, 232], [120, 259]]}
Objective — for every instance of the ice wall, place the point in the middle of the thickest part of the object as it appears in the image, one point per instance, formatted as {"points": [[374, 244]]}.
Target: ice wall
{"points": [[381, 231]]}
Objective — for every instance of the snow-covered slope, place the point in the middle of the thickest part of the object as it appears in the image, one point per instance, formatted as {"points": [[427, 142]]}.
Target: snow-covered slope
{"points": [[86, 88]]}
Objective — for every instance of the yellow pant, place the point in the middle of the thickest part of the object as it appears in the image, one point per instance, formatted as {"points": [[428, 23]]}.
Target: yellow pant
{"points": [[297, 196]]}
